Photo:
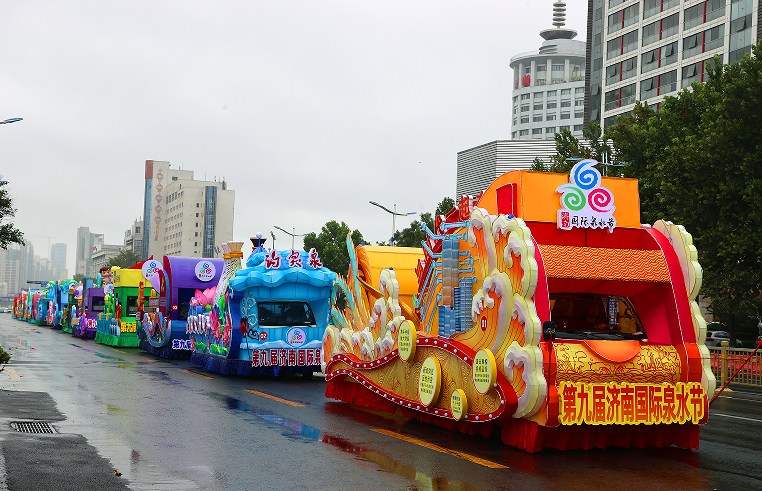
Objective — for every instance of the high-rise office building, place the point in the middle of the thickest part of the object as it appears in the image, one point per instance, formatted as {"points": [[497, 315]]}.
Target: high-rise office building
{"points": [[58, 255], [86, 242], [649, 49], [549, 84], [185, 217]]}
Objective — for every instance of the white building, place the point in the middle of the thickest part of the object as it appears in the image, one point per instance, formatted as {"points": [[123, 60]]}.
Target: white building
{"points": [[549, 84], [647, 50], [133, 238], [185, 217]]}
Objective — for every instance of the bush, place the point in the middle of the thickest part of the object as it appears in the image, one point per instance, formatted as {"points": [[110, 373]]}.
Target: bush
{"points": [[4, 357]]}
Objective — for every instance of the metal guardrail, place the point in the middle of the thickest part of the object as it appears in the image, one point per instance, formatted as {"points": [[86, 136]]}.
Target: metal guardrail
{"points": [[725, 361]]}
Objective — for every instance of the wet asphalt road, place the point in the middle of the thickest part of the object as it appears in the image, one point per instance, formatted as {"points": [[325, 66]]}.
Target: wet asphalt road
{"points": [[168, 425]]}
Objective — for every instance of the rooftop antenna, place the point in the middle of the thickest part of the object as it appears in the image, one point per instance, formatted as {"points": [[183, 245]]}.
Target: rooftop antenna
{"points": [[559, 21]]}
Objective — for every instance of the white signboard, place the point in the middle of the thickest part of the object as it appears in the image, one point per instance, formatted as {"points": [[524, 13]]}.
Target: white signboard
{"points": [[205, 270]]}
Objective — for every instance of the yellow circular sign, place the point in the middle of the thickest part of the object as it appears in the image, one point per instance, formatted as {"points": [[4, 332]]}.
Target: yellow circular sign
{"points": [[484, 371], [429, 381], [406, 340], [458, 404]]}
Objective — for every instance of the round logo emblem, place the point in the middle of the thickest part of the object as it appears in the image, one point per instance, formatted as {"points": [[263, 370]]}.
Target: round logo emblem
{"points": [[296, 337], [262, 336], [151, 269], [205, 270]]}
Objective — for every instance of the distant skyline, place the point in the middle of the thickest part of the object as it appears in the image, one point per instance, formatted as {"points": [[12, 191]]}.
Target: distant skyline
{"points": [[309, 109]]}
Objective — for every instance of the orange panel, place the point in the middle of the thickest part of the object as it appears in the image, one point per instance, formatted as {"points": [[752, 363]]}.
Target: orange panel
{"points": [[538, 200]]}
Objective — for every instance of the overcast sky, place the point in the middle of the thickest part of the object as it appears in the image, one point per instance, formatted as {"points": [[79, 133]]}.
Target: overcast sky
{"points": [[309, 109]]}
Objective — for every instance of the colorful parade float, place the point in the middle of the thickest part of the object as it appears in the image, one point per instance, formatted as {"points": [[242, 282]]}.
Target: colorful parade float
{"points": [[183, 283], [117, 326], [545, 312], [93, 305], [265, 319]]}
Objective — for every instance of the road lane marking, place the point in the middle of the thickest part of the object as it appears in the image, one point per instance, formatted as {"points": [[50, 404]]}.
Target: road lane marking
{"points": [[196, 374], [274, 398], [119, 351], [148, 359], [734, 398], [432, 446], [737, 417], [12, 374]]}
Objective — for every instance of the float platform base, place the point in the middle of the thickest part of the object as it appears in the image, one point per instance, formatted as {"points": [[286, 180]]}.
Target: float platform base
{"points": [[119, 341], [528, 435], [66, 329], [243, 368], [165, 351]]}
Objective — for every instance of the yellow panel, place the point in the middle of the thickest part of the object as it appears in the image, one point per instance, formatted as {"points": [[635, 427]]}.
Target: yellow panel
{"points": [[538, 200], [373, 259], [128, 277]]}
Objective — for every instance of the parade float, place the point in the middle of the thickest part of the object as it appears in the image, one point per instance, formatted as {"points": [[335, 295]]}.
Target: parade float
{"points": [[116, 326], [93, 305], [265, 319], [164, 332], [72, 309], [545, 312]]}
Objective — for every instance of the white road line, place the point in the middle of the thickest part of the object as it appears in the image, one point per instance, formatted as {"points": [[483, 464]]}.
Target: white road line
{"points": [[736, 417]]}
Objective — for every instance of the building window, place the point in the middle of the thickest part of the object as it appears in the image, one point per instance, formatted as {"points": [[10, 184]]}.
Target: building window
{"points": [[552, 93], [552, 105], [515, 98], [670, 25], [557, 68], [513, 135], [577, 127], [561, 128], [514, 122], [565, 103], [523, 132], [540, 68], [525, 108], [525, 119], [579, 90], [528, 69], [551, 129], [565, 91], [537, 131], [565, 116], [579, 102], [536, 119], [579, 115], [550, 117], [538, 95], [537, 107], [525, 96]]}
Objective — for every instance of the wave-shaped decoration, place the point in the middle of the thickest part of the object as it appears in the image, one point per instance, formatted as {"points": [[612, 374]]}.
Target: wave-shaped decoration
{"points": [[682, 242], [529, 360], [248, 278]]}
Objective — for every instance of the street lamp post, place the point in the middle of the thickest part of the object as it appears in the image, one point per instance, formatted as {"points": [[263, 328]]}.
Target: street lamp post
{"points": [[394, 215], [293, 235]]}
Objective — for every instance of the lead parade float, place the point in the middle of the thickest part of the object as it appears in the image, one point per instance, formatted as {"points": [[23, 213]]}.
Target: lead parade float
{"points": [[543, 312]]}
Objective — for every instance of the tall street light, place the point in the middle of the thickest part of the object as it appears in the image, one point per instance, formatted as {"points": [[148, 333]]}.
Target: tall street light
{"points": [[394, 214], [292, 234], [11, 120]]}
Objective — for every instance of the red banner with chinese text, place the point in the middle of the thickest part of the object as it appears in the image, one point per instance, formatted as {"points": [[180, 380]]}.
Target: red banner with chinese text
{"points": [[631, 404]]}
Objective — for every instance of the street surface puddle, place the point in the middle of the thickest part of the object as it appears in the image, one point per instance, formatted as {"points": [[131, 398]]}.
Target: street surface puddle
{"points": [[424, 481]]}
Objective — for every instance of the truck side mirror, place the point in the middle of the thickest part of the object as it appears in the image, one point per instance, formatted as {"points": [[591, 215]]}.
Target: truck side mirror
{"points": [[548, 330]]}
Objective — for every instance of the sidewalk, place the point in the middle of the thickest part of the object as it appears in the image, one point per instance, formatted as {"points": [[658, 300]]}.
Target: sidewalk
{"points": [[47, 462]]}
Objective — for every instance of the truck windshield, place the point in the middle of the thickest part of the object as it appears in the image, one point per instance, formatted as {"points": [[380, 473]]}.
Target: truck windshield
{"points": [[594, 316], [285, 314]]}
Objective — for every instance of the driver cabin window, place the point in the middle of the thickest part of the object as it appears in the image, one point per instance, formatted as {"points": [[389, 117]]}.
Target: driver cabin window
{"points": [[594, 316], [285, 314]]}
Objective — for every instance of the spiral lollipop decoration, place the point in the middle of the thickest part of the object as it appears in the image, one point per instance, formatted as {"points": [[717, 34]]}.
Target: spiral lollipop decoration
{"points": [[585, 175], [573, 197], [601, 200]]}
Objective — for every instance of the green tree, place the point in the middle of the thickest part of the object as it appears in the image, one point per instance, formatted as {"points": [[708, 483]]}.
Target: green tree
{"points": [[9, 234], [78, 277], [124, 259], [569, 150], [698, 163], [331, 245]]}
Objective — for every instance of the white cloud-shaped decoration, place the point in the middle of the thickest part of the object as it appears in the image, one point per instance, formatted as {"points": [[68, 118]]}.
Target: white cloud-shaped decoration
{"points": [[682, 242], [482, 222], [521, 245], [536, 387]]}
